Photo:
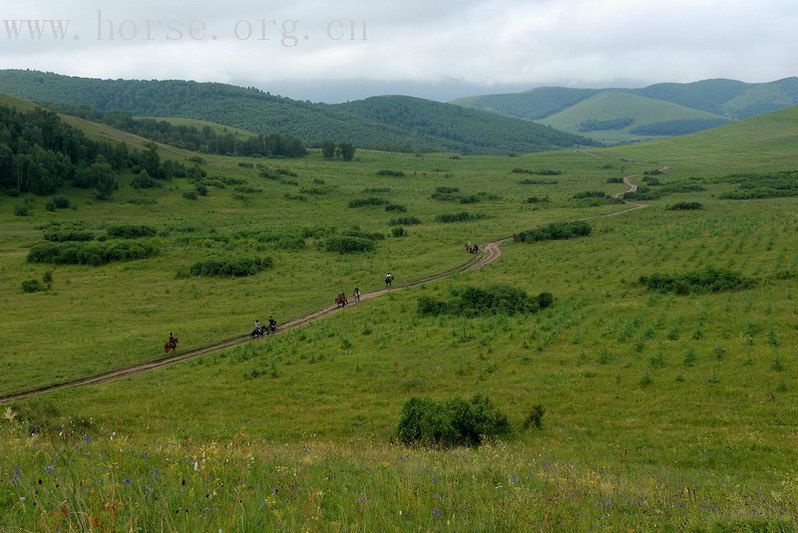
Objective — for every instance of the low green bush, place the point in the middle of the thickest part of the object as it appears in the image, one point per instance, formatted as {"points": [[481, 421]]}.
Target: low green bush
{"points": [[90, 253], [555, 231], [399, 231], [542, 172], [685, 206], [131, 231], [537, 182], [405, 221], [375, 190], [394, 173], [347, 244], [463, 216], [60, 202], [589, 194], [368, 202], [190, 195], [537, 200], [492, 300], [395, 208], [456, 422], [22, 210], [231, 267], [30, 286], [68, 235], [708, 280]]}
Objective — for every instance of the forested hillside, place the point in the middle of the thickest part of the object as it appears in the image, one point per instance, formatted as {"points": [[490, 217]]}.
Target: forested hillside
{"points": [[260, 112]]}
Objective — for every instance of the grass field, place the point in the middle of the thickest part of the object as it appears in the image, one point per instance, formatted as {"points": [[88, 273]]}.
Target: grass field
{"points": [[661, 411]]}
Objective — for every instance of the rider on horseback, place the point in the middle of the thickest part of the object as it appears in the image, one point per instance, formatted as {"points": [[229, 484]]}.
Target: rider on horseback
{"points": [[388, 279], [272, 325], [173, 340], [356, 294]]}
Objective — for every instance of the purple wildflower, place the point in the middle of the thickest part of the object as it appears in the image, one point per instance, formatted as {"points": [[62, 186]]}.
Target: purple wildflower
{"points": [[362, 499], [436, 513], [49, 469], [17, 475], [87, 438], [126, 481]]}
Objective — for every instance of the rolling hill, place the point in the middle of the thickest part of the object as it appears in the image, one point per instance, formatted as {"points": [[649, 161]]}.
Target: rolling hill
{"points": [[702, 103], [363, 124], [607, 107]]}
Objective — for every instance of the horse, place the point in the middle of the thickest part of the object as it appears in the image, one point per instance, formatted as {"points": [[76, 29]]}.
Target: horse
{"points": [[170, 346], [270, 329], [388, 281], [472, 248], [340, 300], [258, 333]]}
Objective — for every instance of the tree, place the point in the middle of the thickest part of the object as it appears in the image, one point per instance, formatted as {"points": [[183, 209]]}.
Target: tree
{"points": [[347, 151], [151, 161], [328, 149], [98, 176]]}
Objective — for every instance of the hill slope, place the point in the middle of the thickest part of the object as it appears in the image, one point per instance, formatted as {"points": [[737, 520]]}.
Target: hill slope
{"points": [[730, 99], [260, 112], [613, 106]]}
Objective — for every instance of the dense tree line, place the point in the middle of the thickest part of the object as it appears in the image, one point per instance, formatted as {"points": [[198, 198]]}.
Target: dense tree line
{"points": [[678, 127], [192, 138], [604, 125], [39, 152], [391, 123]]}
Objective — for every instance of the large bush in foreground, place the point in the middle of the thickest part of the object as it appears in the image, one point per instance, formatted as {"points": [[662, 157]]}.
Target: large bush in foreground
{"points": [[555, 231], [456, 422], [492, 300], [697, 282], [90, 253], [231, 268]]}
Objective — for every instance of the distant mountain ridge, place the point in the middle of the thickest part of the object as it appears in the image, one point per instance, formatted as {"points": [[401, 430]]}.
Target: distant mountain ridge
{"points": [[393, 123], [724, 100]]}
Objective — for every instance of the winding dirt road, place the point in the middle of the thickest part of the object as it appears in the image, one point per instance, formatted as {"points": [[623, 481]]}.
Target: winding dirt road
{"points": [[490, 252]]}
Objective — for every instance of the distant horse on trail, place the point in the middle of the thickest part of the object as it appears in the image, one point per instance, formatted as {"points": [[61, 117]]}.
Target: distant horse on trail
{"points": [[340, 300], [170, 346]]}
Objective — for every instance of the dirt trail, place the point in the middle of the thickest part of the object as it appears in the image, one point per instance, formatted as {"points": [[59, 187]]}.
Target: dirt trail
{"points": [[490, 252]]}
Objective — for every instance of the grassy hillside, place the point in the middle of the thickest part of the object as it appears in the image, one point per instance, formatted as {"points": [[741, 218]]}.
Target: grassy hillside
{"points": [[259, 112], [459, 127], [200, 124], [662, 411], [530, 105], [612, 105], [730, 99]]}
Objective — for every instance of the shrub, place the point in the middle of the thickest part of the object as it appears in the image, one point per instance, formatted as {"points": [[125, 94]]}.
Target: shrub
{"points": [[614, 180], [593, 124], [131, 231], [144, 181], [49, 205], [357, 232], [33, 285], [685, 206], [368, 202], [492, 300], [555, 231], [190, 195], [447, 190], [394, 173], [348, 244], [543, 172], [68, 235], [405, 221], [589, 194], [708, 280], [456, 422], [90, 253], [538, 182], [60, 202], [233, 181], [395, 208], [231, 268], [537, 200], [22, 210], [399, 232], [462, 216], [374, 190], [445, 197], [535, 417], [142, 201], [202, 190], [247, 190]]}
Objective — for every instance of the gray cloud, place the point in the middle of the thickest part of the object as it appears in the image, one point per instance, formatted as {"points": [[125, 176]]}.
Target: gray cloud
{"points": [[577, 42]]}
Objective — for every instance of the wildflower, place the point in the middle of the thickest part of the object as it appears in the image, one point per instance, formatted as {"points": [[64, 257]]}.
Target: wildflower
{"points": [[514, 479], [17, 475], [49, 469], [87, 438], [9, 414], [362, 499], [436, 513], [126, 481]]}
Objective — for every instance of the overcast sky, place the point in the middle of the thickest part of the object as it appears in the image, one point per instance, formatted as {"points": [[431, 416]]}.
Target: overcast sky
{"points": [[470, 43]]}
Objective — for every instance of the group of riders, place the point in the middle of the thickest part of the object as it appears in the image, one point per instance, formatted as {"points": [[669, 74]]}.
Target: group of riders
{"points": [[270, 328]]}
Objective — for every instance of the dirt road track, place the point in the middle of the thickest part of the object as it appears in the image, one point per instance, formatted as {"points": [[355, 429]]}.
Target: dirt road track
{"points": [[490, 253]]}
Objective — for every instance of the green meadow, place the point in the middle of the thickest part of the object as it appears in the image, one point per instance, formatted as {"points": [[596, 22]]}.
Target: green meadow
{"points": [[663, 411]]}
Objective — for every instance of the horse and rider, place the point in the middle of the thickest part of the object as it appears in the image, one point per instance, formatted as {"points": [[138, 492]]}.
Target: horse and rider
{"points": [[388, 280], [341, 300], [472, 248], [171, 344], [262, 330]]}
